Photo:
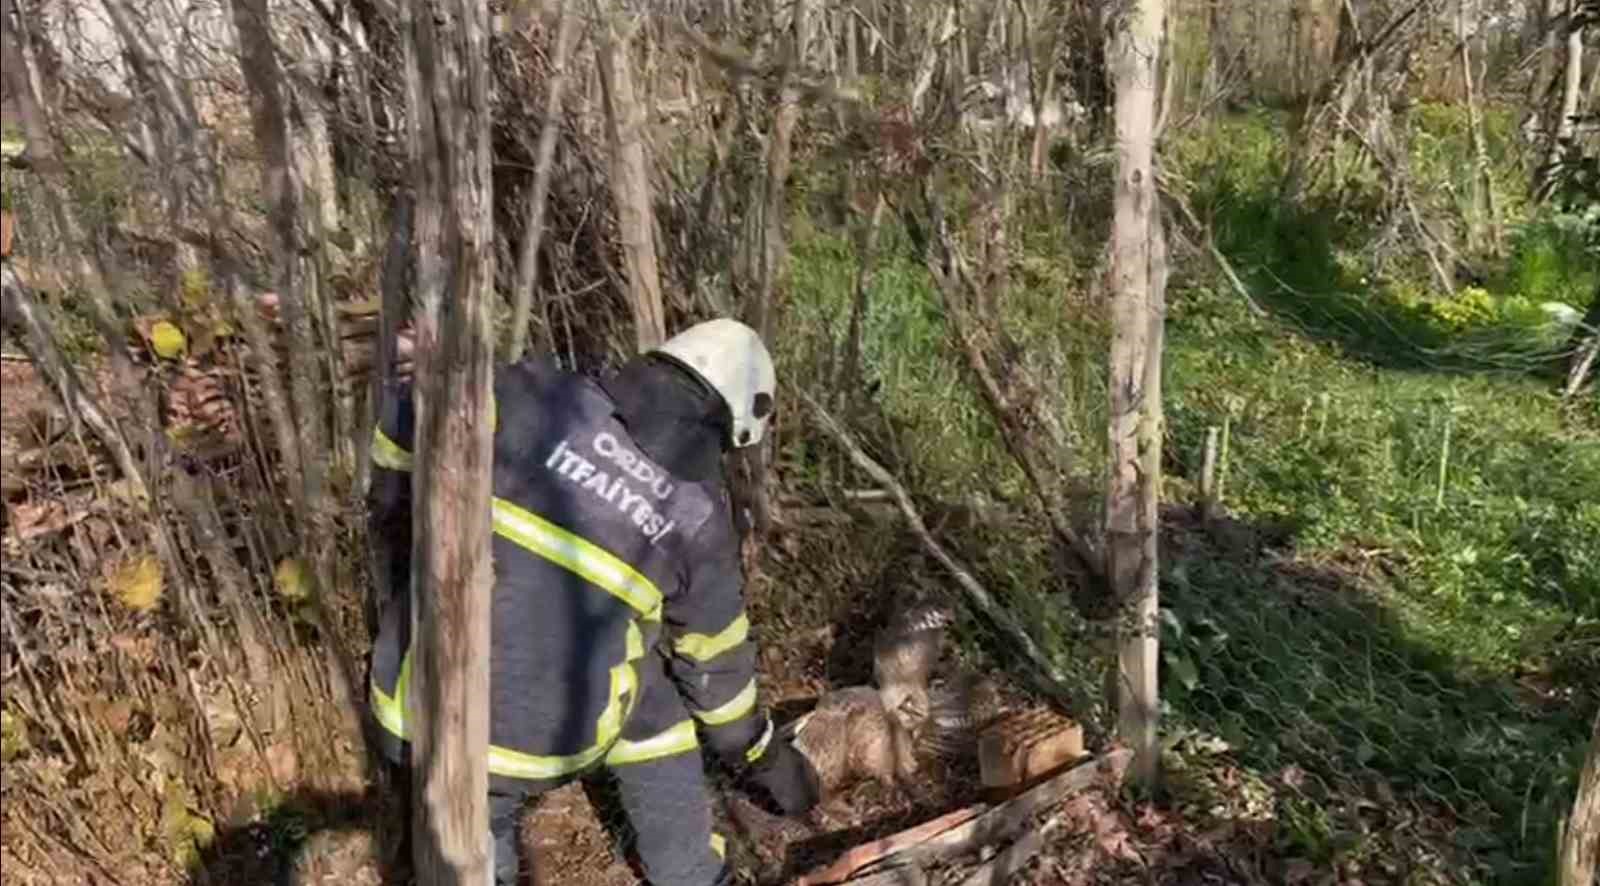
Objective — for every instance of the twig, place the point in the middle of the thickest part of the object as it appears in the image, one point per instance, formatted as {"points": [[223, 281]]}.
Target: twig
{"points": [[1013, 403], [1208, 473], [1050, 675], [1226, 267], [736, 63]]}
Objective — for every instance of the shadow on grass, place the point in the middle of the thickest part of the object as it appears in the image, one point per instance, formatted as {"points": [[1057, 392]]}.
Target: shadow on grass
{"points": [[1287, 257], [1302, 668]]}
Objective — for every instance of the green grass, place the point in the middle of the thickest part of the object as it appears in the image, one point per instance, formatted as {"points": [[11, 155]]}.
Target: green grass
{"points": [[1405, 608], [1391, 649], [1323, 265]]}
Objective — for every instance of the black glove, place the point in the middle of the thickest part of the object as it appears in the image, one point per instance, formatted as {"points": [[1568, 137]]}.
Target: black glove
{"points": [[786, 776]]}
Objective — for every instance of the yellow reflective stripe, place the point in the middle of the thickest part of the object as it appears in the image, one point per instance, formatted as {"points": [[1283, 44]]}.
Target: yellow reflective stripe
{"points": [[390, 713], [704, 647], [388, 454], [593, 563], [737, 707], [719, 845], [760, 747], [677, 740]]}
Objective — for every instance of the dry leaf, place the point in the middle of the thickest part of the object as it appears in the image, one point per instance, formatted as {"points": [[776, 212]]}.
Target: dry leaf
{"points": [[291, 580], [138, 583], [167, 339]]}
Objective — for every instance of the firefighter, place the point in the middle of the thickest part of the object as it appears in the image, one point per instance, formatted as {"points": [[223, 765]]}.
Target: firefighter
{"points": [[619, 633]]}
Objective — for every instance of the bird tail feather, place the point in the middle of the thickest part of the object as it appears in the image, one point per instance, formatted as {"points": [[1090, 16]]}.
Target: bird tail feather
{"points": [[951, 729]]}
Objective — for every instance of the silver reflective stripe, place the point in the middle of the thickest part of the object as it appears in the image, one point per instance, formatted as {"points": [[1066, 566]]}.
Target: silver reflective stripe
{"points": [[760, 747]]}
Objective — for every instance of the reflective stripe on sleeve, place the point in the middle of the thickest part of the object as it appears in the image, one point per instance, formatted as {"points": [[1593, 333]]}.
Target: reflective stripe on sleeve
{"points": [[704, 647], [754, 752], [388, 454], [733, 709]]}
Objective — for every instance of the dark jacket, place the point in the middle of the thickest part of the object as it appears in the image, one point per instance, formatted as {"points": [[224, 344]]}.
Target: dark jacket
{"points": [[611, 576]]}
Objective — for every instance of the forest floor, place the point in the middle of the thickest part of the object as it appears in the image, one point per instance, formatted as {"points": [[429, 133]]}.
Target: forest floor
{"points": [[814, 611], [818, 596]]}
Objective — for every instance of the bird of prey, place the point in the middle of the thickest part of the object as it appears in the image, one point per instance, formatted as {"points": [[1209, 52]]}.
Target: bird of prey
{"points": [[878, 732]]}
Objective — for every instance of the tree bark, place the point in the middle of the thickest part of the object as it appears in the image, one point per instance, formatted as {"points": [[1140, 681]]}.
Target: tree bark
{"points": [[1566, 122], [771, 252], [533, 232], [630, 184], [448, 99], [1547, 13], [1138, 273], [1484, 217], [1580, 842], [296, 280]]}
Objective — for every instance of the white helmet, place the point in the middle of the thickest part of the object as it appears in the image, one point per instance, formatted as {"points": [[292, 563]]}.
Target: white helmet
{"points": [[731, 358]]}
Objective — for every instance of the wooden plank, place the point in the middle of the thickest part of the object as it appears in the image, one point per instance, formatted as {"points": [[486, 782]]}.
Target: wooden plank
{"points": [[867, 853], [1008, 862], [993, 825], [901, 875]]}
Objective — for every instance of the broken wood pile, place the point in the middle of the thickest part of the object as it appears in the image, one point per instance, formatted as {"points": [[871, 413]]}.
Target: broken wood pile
{"points": [[1004, 836]]}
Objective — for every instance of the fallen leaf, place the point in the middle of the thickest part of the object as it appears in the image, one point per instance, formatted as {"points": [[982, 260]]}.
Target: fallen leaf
{"points": [[291, 580], [167, 339], [138, 583], [13, 736]]}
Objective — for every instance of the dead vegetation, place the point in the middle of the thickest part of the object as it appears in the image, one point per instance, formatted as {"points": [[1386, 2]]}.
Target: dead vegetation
{"points": [[185, 578]]}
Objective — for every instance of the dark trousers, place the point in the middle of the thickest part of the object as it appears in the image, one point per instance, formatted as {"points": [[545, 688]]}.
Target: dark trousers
{"points": [[667, 805], [666, 798]]}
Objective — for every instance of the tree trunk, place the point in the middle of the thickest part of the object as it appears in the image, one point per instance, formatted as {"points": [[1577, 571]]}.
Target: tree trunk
{"points": [[1580, 842], [630, 186], [852, 60], [1566, 122], [1483, 206], [296, 278], [1548, 12], [533, 232], [1138, 274], [771, 252], [448, 99], [938, 33]]}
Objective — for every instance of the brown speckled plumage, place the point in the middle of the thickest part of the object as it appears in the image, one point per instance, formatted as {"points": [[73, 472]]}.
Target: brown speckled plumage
{"points": [[877, 732]]}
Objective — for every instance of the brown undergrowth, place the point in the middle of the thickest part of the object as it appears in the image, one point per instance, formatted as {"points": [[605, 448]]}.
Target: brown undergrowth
{"points": [[139, 746]]}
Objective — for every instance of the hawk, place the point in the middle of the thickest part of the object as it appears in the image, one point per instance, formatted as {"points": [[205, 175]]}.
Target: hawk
{"points": [[878, 732]]}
